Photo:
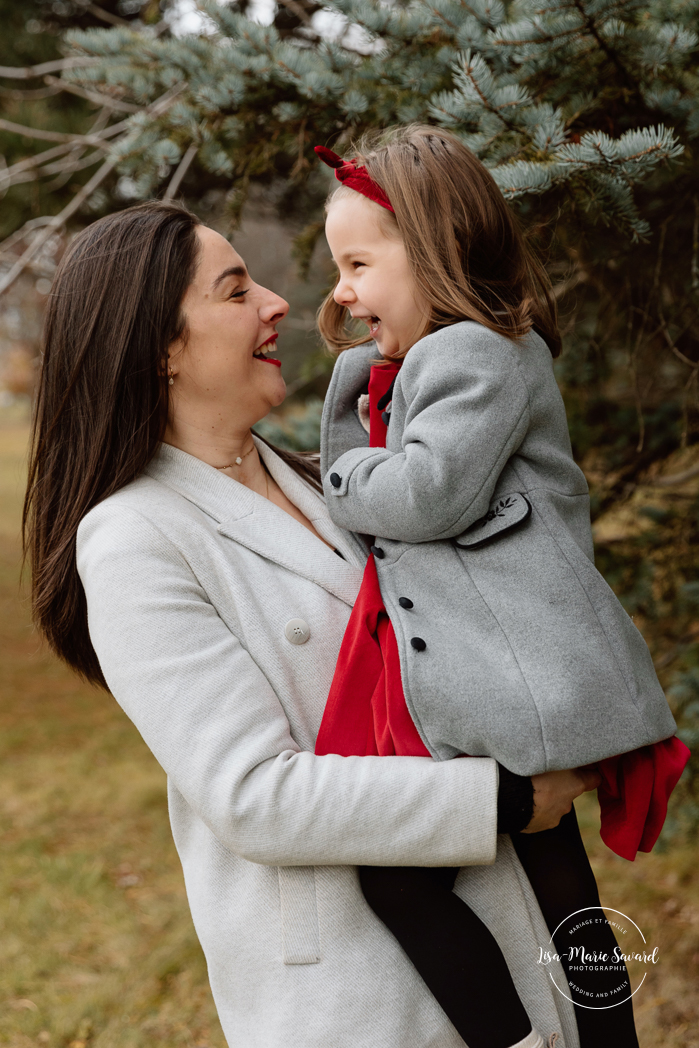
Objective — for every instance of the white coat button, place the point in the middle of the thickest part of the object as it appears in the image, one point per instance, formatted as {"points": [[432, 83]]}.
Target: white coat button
{"points": [[297, 631]]}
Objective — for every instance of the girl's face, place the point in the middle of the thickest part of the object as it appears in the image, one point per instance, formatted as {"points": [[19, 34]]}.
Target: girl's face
{"points": [[231, 324], [375, 283]]}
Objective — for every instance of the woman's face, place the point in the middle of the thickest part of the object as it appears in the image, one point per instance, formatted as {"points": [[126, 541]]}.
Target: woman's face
{"points": [[221, 368]]}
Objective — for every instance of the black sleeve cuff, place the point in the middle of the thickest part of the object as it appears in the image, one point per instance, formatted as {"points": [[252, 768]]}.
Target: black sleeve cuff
{"points": [[515, 801]]}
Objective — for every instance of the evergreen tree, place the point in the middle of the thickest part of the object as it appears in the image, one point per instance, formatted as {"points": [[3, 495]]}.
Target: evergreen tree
{"points": [[587, 113], [32, 36]]}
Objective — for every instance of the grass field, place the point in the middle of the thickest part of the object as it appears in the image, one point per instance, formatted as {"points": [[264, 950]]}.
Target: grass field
{"points": [[97, 947]]}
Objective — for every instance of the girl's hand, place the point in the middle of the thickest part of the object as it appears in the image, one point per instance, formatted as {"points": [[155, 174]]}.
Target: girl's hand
{"points": [[554, 793]]}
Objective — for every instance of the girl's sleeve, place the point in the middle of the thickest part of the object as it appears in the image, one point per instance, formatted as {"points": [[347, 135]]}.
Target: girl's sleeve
{"points": [[467, 411], [218, 728]]}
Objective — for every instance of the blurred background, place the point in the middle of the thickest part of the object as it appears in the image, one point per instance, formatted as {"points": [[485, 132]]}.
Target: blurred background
{"points": [[587, 113]]}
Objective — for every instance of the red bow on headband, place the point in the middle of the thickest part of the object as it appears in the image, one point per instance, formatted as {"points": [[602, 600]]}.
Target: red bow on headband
{"points": [[355, 176]]}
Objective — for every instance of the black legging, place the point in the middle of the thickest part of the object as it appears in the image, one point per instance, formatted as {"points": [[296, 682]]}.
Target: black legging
{"points": [[461, 962]]}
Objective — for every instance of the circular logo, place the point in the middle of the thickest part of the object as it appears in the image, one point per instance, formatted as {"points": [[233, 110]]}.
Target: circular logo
{"points": [[598, 976]]}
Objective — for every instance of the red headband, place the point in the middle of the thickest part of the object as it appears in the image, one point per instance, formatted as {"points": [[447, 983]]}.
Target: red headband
{"points": [[354, 176]]}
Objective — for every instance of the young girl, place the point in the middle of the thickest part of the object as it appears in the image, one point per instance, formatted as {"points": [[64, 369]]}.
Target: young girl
{"points": [[482, 627]]}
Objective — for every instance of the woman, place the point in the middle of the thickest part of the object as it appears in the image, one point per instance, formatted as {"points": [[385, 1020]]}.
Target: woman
{"points": [[194, 571]]}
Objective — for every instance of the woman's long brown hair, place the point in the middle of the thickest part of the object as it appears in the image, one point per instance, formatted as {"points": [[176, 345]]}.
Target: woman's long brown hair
{"points": [[468, 256], [102, 402]]}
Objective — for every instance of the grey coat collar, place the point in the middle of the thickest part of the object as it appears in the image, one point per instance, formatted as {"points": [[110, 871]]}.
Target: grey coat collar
{"points": [[257, 523]]}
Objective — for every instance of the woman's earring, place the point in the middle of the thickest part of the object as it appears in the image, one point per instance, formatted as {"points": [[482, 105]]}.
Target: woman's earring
{"points": [[172, 379]]}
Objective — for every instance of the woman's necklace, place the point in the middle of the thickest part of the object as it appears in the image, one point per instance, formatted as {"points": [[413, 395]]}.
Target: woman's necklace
{"points": [[238, 461]]}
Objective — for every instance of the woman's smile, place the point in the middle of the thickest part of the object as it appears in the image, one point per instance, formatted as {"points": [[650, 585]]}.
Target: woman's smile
{"points": [[259, 353]]}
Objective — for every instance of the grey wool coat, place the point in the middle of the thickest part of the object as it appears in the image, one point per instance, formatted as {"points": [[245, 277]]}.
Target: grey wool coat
{"points": [[191, 580], [511, 643]]}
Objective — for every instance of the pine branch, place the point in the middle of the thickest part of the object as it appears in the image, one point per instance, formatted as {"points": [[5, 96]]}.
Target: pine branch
{"points": [[611, 54]]}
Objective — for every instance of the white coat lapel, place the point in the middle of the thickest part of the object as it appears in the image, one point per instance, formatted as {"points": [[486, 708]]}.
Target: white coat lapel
{"points": [[266, 529]]}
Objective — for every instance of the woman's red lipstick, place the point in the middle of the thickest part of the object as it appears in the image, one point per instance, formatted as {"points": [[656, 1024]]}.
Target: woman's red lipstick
{"points": [[265, 359]]}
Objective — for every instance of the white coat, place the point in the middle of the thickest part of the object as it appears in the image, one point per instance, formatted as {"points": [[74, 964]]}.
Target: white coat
{"points": [[190, 581]]}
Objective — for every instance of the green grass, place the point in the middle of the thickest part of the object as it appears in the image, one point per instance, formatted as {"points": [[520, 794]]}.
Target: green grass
{"points": [[97, 947]]}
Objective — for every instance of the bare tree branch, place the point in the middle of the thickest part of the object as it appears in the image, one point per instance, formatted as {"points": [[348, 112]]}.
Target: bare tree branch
{"points": [[77, 163], [19, 95], [676, 478], [56, 223], [299, 10], [20, 233], [107, 16], [66, 169], [695, 249], [35, 161], [71, 162], [93, 96], [181, 171], [29, 72], [48, 136], [578, 276], [95, 137]]}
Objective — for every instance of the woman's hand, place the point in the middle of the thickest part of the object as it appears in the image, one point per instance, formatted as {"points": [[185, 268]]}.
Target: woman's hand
{"points": [[554, 793]]}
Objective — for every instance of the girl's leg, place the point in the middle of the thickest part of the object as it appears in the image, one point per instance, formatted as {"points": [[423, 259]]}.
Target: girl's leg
{"points": [[452, 949], [559, 871]]}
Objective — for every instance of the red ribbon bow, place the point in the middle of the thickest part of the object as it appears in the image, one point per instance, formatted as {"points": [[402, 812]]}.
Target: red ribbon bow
{"points": [[355, 176]]}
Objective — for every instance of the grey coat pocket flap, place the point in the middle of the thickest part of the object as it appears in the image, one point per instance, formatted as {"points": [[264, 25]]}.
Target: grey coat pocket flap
{"points": [[505, 513], [300, 933]]}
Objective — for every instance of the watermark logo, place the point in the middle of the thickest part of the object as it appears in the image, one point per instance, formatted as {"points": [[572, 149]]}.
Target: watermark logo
{"points": [[598, 975]]}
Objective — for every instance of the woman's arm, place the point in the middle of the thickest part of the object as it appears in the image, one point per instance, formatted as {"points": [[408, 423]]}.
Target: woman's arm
{"points": [[531, 804], [218, 729], [554, 793], [466, 413]]}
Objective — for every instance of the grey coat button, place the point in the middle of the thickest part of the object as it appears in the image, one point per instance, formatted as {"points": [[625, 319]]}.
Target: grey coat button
{"points": [[405, 602], [417, 643], [297, 631], [335, 480]]}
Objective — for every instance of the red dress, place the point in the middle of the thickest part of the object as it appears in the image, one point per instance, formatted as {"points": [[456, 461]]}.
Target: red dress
{"points": [[366, 712]]}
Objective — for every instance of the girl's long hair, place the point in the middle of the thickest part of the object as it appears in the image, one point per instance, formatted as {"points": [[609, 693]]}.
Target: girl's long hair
{"points": [[102, 402], [467, 253]]}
